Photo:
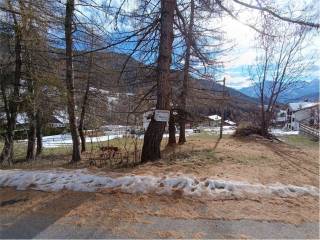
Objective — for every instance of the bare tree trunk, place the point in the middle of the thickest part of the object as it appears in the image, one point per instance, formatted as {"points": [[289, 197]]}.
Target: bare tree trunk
{"points": [[82, 117], [31, 148], [76, 155], [154, 133], [184, 94], [11, 105], [172, 130], [85, 103], [264, 116], [7, 151], [31, 111], [182, 130], [39, 132], [263, 120], [262, 93]]}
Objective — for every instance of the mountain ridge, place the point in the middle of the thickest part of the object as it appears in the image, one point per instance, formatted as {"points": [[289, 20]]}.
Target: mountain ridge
{"points": [[301, 92]]}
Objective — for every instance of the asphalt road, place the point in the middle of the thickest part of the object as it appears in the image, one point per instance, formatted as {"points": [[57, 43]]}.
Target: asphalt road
{"points": [[190, 228], [51, 220], [45, 227]]}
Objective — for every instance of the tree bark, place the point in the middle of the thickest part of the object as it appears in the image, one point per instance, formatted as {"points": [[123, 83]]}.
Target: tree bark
{"points": [[76, 155], [262, 93], [264, 128], [182, 130], [172, 130], [31, 109], [11, 105], [184, 94], [85, 103], [7, 151], [82, 117], [39, 132], [154, 133], [31, 148]]}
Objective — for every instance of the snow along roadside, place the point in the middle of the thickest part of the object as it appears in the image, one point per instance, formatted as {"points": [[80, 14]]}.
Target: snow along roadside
{"points": [[84, 181]]}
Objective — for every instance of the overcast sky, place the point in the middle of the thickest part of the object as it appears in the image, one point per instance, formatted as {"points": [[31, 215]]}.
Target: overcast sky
{"points": [[244, 53]]}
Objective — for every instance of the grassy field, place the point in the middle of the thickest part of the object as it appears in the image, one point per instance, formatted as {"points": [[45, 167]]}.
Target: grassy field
{"points": [[295, 160], [126, 144], [60, 156], [300, 141]]}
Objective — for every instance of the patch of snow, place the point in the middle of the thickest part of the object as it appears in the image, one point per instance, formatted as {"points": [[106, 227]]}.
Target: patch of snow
{"points": [[189, 130], [114, 132], [66, 140], [166, 135], [112, 99], [115, 127], [216, 130], [283, 132], [93, 89], [83, 180], [230, 122]]}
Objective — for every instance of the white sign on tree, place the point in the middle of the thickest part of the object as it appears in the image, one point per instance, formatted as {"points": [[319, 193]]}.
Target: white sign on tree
{"points": [[161, 115]]}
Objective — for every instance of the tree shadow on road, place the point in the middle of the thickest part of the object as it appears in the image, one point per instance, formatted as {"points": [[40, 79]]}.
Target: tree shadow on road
{"points": [[33, 222]]}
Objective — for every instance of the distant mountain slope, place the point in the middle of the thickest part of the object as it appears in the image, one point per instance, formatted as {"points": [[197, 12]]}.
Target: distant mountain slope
{"points": [[138, 77], [305, 90], [238, 107], [233, 92]]}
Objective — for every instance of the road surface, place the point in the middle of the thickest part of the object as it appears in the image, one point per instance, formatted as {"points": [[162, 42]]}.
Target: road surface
{"points": [[50, 218]]}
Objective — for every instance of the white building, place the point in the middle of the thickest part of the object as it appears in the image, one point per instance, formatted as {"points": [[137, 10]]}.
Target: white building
{"points": [[302, 112], [281, 116], [214, 120]]}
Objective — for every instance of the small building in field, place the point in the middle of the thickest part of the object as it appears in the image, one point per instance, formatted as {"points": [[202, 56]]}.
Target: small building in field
{"points": [[279, 118], [59, 119], [56, 122], [214, 120], [298, 113]]}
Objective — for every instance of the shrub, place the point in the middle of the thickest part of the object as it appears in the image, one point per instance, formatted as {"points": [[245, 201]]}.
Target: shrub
{"points": [[247, 129]]}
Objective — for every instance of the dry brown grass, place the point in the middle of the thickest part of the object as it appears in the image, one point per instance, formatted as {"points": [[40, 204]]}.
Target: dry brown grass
{"points": [[121, 212], [247, 159], [203, 156]]}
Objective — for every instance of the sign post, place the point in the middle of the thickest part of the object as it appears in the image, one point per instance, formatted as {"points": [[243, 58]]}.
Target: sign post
{"points": [[161, 115]]}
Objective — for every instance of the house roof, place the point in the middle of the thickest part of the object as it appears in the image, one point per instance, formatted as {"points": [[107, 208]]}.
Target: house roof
{"points": [[214, 117], [22, 118], [301, 105], [230, 122], [61, 116]]}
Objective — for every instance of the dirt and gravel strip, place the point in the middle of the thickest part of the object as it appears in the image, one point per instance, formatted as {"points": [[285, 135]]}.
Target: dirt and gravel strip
{"points": [[65, 214]]}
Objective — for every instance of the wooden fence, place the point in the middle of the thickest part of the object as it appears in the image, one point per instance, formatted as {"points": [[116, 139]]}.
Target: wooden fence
{"points": [[307, 130]]}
